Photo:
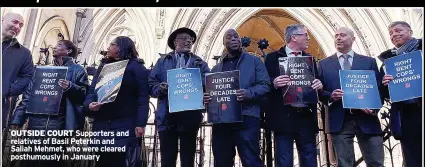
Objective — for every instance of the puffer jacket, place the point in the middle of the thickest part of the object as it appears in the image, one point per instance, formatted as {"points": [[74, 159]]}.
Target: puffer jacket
{"points": [[254, 79]]}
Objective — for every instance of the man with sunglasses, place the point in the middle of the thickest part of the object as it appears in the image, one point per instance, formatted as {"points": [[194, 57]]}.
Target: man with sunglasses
{"points": [[182, 125], [296, 121]]}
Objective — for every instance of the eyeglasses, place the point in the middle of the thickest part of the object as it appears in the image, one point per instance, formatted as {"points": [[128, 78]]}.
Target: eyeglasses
{"points": [[185, 38], [305, 34]]}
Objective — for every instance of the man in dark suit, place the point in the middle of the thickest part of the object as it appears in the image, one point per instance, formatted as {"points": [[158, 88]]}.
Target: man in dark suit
{"points": [[293, 121], [405, 116], [344, 124]]}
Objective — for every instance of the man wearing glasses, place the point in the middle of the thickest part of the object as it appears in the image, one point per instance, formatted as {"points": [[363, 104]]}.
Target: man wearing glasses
{"points": [[185, 124], [295, 121]]}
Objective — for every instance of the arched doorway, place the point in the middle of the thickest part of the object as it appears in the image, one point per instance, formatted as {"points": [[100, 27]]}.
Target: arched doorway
{"points": [[211, 24], [53, 30], [269, 24]]}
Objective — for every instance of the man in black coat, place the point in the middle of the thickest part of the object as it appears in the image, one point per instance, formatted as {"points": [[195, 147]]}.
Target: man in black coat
{"points": [[295, 121], [405, 116], [17, 64]]}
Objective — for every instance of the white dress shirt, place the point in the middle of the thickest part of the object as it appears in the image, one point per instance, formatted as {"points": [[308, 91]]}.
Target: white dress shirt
{"points": [[341, 59], [289, 52]]}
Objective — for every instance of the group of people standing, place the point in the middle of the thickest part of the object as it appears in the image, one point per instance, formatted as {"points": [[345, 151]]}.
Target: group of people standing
{"points": [[258, 80]]}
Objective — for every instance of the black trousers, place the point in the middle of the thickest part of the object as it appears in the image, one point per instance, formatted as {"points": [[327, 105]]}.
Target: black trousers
{"points": [[411, 139], [169, 146], [111, 159]]}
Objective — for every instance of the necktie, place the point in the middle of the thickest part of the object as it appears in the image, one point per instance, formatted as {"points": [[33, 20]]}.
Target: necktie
{"points": [[296, 53], [181, 61], [347, 65]]}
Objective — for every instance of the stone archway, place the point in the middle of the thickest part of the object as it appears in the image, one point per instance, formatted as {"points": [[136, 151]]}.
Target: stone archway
{"points": [[47, 37], [369, 25], [109, 23], [270, 24]]}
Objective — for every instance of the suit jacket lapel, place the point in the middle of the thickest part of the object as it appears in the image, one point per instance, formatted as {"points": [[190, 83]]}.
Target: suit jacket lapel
{"points": [[335, 62], [357, 62], [282, 52]]}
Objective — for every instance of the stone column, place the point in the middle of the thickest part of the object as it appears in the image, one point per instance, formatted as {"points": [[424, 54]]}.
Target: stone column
{"points": [[80, 15], [30, 28]]}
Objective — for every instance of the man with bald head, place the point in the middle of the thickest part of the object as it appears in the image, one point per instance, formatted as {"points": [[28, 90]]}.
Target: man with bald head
{"points": [[254, 84], [17, 64], [405, 116], [344, 124]]}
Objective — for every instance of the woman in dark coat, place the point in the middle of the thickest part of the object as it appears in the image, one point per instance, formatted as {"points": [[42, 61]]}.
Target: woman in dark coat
{"points": [[129, 111], [70, 115]]}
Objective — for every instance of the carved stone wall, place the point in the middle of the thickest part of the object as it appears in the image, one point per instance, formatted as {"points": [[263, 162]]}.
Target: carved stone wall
{"points": [[105, 24], [151, 27], [369, 25]]}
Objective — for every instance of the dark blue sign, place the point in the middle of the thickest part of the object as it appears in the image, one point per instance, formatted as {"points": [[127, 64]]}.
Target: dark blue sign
{"points": [[360, 89], [223, 107], [184, 89], [46, 94], [407, 72], [301, 72]]}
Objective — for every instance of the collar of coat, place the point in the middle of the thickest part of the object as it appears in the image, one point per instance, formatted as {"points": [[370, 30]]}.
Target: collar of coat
{"points": [[66, 60], [171, 54], [14, 42], [391, 52], [282, 52]]}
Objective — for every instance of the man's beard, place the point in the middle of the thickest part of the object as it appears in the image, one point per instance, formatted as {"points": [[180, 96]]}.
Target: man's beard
{"points": [[10, 34], [235, 52]]}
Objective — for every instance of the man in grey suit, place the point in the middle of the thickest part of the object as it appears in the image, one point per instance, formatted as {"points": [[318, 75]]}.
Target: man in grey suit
{"points": [[344, 124]]}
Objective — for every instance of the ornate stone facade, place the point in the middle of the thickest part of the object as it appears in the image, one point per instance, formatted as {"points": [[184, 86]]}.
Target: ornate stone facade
{"points": [[150, 28]]}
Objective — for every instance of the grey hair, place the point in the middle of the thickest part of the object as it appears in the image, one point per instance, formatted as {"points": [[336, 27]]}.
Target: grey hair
{"points": [[403, 23], [291, 30]]}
